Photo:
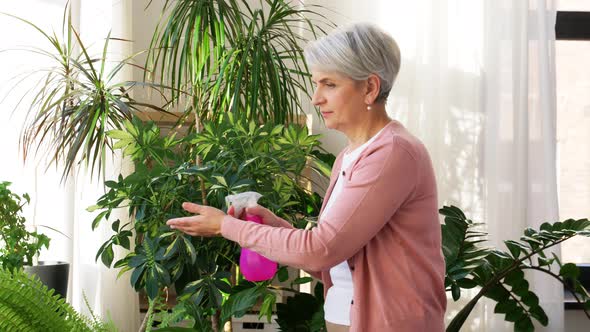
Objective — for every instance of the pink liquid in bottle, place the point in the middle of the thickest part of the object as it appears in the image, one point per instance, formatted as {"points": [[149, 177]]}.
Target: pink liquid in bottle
{"points": [[254, 266]]}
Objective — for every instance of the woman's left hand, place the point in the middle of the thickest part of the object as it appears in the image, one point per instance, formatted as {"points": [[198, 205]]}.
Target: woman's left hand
{"points": [[206, 222]]}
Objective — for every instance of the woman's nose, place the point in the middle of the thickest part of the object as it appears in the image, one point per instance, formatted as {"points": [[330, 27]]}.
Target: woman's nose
{"points": [[316, 99]]}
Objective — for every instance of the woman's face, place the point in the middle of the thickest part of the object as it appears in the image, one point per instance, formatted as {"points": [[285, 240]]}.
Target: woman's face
{"points": [[341, 100]]}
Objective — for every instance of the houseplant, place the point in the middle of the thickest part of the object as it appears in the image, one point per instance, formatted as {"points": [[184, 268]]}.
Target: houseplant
{"points": [[74, 101], [219, 57], [18, 247], [237, 155], [229, 56], [27, 305], [499, 275], [71, 105]]}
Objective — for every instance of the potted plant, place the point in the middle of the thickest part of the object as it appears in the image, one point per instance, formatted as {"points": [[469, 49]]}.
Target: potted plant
{"points": [[27, 305], [499, 274], [73, 103], [220, 57], [237, 155], [19, 247], [75, 100]]}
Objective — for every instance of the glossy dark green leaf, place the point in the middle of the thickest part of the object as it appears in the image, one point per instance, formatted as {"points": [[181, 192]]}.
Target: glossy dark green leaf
{"points": [[467, 283], [151, 284], [239, 303], [115, 225], [137, 260], [505, 306], [302, 280], [124, 241], [539, 314], [514, 277], [222, 285], [524, 325], [283, 274], [136, 276], [98, 219], [107, 256], [455, 291], [569, 270], [530, 299], [514, 315], [267, 307], [521, 288]]}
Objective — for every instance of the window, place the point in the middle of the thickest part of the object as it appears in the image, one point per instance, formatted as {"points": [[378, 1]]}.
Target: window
{"points": [[572, 56]]}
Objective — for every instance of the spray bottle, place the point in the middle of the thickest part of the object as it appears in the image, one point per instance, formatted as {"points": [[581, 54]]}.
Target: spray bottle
{"points": [[254, 266]]}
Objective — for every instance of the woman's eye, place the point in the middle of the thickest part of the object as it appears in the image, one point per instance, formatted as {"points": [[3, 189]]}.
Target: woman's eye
{"points": [[330, 85]]}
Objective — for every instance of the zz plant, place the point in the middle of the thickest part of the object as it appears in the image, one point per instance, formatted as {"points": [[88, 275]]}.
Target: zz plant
{"points": [[237, 155], [500, 274]]}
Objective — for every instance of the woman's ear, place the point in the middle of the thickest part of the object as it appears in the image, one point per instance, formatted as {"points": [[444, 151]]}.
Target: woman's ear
{"points": [[372, 89]]}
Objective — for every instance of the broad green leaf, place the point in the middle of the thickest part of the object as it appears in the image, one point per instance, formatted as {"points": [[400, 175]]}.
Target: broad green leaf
{"points": [[302, 280], [524, 325], [107, 256], [569, 270]]}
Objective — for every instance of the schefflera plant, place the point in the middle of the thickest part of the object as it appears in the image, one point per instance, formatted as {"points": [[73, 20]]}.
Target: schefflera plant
{"points": [[237, 155]]}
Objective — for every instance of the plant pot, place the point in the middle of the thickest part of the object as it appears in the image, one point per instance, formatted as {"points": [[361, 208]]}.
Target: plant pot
{"points": [[53, 274]]}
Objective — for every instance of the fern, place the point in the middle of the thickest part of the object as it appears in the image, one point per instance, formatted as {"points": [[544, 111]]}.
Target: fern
{"points": [[26, 305], [500, 274]]}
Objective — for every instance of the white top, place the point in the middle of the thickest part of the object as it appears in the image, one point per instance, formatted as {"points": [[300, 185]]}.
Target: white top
{"points": [[339, 296]]}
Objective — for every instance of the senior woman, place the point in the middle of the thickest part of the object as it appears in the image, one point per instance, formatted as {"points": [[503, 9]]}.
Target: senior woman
{"points": [[377, 246]]}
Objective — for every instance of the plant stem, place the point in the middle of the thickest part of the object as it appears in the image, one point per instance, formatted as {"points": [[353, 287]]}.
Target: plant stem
{"points": [[215, 320], [148, 320], [199, 161], [471, 304]]}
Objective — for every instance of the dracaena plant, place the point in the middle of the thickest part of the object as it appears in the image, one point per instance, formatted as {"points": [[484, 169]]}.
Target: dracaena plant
{"points": [[500, 275], [230, 55], [237, 155], [74, 101]]}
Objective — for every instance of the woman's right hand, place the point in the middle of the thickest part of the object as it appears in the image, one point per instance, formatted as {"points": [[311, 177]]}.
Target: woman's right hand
{"points": [[268, 218]]}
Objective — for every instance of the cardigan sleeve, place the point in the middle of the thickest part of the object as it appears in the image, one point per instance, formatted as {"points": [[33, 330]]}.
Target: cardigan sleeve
{"points": [[280, 222], [379, 183]]}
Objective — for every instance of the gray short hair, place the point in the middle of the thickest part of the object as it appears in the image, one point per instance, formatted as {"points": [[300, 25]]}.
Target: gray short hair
{"points": [[357, 51]]}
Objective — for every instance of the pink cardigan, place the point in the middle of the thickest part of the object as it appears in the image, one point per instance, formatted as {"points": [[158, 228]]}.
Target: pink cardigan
{"points": [[385, 223]]}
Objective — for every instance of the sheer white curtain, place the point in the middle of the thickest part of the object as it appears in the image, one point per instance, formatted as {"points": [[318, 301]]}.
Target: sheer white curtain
{"points": [[63, 205], [477, 85]]}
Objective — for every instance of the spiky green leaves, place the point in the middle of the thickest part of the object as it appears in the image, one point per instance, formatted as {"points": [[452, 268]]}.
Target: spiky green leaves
{"points": [[230, 57], [27, 305], [75, 102]]}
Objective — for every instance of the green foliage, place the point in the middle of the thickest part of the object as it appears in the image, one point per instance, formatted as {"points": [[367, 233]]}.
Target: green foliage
{"points": [[461, 250], [28, 305], [237, 155], [17, 245], [75, 101], [229, 56], [303, 312], [501, 274]]}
